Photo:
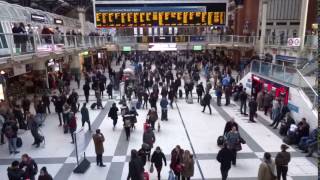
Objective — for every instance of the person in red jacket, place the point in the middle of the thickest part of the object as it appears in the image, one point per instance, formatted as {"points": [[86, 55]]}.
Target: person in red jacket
{"points": [[72, 126]]}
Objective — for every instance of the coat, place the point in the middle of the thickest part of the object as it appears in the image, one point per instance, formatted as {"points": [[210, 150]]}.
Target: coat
{"points": [[206, 99], [45, 177], [157, 158], [98, 140], [15, 173], [85, 114], [113, 112], [188, 168], [253, 106], [225, 157], [266, 171], [135, 169], [149, 137]]}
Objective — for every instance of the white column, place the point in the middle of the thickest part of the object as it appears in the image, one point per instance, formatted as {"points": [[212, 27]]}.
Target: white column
{"points": [[263, 26], [82, 19], [303, 22], [41, 70]]}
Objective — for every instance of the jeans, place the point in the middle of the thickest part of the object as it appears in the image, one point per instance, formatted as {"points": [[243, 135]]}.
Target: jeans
{"points": [[282, 172], [224, 173], [243, 105], [127, 130], [234, 157], [185, 178], [83, 122], [275, 113], [251, 116], [12, 144], [164, 114], [227, 100], [219, 100], [204, 107]]}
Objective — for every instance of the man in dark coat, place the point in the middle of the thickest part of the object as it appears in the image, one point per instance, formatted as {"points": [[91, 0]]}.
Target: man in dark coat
{"points": [[85, 116], [86, 90], [25, 106], [253, 109], [227, 92], [225, 157], [243, 101], [46, 102], [136, 169], [267, 102], [98, 140], [58, 104], [109, 90], [113, 114], [206, 102], [14, 172], [200, 91]]}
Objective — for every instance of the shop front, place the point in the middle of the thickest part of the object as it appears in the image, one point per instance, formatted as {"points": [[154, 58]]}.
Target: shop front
{"points": [[261, 84]]}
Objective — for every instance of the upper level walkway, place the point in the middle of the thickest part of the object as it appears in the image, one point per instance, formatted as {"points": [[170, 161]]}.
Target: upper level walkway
{"points": [[18, 47]]}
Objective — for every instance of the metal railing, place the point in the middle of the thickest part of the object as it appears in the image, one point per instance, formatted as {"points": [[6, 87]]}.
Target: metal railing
{"points": [[310, 41], [12, 45], [288, 75]]}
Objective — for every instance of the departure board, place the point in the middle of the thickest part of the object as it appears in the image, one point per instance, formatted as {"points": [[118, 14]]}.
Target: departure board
{"points": [[148, 19]]}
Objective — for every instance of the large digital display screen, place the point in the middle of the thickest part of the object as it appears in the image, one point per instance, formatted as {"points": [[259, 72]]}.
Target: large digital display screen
{"points": [[109, 17]]}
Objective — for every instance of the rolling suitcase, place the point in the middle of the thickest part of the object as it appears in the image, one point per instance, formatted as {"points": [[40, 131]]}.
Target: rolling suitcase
{"points": [[93, 105]]}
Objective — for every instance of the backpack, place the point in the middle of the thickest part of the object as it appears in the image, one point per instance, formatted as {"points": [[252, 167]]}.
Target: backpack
{"points": [[19, 142]]}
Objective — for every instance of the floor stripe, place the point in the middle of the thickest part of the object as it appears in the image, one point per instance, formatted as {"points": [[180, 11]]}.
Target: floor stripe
{"points": [[191, 145]]}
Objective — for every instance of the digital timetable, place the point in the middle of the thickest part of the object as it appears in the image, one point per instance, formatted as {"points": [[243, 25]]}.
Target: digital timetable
{"points": [[141, 19]]}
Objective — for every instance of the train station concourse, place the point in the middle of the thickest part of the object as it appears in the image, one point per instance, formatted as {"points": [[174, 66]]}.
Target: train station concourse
{"points": [[159, 89]]}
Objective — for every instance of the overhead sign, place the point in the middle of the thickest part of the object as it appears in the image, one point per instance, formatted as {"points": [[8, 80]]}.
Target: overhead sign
{"points": [[126, 48], [37, 17], [293, 42], [197, 48], [19, 69], [162, 47], [58, 21]]}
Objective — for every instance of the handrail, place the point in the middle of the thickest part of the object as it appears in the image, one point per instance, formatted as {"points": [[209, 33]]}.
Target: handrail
{"points": [[307, 82]]}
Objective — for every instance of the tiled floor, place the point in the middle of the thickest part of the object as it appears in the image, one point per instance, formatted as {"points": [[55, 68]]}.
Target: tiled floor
{"points": [[187, 126]]}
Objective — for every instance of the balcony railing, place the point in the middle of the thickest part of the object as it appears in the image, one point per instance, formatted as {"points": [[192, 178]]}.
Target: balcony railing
{"points": [[12, 45], [282, 41], [287, 75]]}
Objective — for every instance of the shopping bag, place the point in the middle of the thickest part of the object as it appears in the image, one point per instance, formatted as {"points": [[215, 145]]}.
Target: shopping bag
{"points": [[171, 175], [151, 168]]}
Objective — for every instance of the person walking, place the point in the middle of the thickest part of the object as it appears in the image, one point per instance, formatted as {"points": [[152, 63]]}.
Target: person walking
{"points": [[14, 172], [176, 161], [227, 93], [188, 166], [136, 169], [29, 166], [149, 138], [282, 160], [72, 126], [224, 157], [267, 102], [152, 117], [10, 130], [86, 90], [206, 102], [243, 102], [219, 94], [99, 100], [98, 140], [25, 106], [109, 90], [46, 102], [145, 100], [156, 159], [113, 114], [127, 127], [85, 115], [233, 140], [200, 91], [58, 104], [164, 108], [267, 168], [34, 127], [253, 107], [229, 126], [44, 175]]}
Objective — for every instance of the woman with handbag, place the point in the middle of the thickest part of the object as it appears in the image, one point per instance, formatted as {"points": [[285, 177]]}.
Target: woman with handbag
{"points": [[156, 160], [188, 166], [176, 161], [234, 144], [267, 168]]}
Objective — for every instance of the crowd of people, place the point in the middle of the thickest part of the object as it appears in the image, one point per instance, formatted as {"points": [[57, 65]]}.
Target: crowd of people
{"points": [[165, 75]]}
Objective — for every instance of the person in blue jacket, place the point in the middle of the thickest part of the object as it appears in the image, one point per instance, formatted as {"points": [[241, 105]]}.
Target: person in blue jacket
{"points": [[164, 108]]}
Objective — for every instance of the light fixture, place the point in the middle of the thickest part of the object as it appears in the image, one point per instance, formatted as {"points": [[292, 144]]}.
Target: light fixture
{"points": [[2, 72]]}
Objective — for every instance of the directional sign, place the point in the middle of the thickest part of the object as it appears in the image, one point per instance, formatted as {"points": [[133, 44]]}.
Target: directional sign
{"points": [[293, 42]]}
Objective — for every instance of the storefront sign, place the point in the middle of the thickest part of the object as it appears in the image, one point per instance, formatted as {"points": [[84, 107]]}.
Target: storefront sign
{"points": [[37, 17], [58, 21]]}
